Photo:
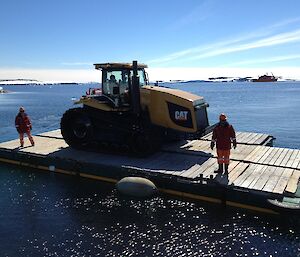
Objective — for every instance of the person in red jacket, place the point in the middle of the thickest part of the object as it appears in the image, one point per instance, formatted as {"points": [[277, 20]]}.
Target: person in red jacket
{"points": [[23, 125], [223, 136]]}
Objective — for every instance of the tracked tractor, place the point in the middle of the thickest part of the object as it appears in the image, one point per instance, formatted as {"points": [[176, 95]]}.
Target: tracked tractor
{"points": [[129, 112]]}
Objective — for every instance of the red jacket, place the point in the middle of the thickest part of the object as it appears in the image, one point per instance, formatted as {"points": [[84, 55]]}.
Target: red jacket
{"points": [[223, 135], [23, 124]]}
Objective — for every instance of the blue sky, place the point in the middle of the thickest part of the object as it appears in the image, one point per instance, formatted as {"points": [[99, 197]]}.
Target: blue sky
{"points": [[223, 35]]}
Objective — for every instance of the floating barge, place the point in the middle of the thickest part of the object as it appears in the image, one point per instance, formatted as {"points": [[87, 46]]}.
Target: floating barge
{"points": [[261, 177]]}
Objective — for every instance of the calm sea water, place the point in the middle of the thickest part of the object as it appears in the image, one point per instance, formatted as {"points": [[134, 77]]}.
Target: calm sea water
{"points": [[44, 214]]}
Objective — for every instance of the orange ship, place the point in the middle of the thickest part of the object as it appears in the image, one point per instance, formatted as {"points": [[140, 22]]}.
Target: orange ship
{"points": [[266, 78]]}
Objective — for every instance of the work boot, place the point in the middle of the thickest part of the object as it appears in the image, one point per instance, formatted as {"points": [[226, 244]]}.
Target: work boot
{"points": [[226, 168], [220, 170]]}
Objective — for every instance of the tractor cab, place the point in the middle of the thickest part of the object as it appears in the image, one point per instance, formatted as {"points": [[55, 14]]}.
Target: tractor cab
{"points": [[117, 79]]}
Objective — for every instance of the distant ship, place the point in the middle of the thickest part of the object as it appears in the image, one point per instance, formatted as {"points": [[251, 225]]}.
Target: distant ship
{"points": [[2, 91], [266, 78]]}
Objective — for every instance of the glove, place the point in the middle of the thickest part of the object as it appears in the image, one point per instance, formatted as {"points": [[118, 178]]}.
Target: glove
{"points": [[30, 127], [234, 144], [19, 130], [212, 145]]}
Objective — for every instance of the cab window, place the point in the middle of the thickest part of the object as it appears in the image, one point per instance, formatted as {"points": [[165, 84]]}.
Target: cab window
{"points": [[142, 78], [115, 82]]}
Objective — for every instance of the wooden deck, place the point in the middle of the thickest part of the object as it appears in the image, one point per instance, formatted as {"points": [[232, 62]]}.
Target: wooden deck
{"points": [[253, 167], [248, 138], [265, 155]]}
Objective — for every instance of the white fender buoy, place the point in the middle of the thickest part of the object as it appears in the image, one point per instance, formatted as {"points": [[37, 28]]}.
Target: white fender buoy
{"points": [[136, 186]]}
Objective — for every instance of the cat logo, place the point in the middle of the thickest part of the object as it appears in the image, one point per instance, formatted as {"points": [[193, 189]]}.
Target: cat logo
{"points": [[181, 115]]}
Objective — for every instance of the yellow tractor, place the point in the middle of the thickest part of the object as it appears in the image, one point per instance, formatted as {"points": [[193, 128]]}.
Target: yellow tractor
{"points": [[130, 112]]}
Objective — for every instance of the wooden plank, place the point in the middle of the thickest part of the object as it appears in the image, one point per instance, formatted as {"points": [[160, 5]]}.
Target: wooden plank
{"points": [[196, 145], [269, 141], [204, 147], [287, 157], [247, 149], [187, 172], [203, 144], [265, 176], [276, 156], [281, 157], [283, 181], [271, 183], [210, 171], [242, 137], [207, 137], [296, 161], [293, 182], [196, 142], [187, 144], [210, 165], [237, 153], [237, 135], [203, 166], [292, 158], [240, 179], [266, 155], [43, 145], [51, 134], [260, 154], [274, 151], [254, 139], [254, 175], [224, 178], [253, 153], [182, 163], [257, 175], [164, 163], [261, 139], [240, 152], [257, 139], [232, 166], [247, 136], [237, 171]]}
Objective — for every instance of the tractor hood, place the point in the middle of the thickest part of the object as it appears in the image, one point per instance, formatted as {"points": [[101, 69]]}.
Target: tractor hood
{"points": [[195, 99]]}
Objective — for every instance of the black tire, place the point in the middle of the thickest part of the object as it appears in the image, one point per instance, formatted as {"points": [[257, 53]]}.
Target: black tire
{"points": [[76, 128], [146, 142]]}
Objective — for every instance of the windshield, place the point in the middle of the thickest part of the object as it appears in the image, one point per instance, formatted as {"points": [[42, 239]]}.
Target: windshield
{"points": [[143, 81], [115, 79], [119, 79]]}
